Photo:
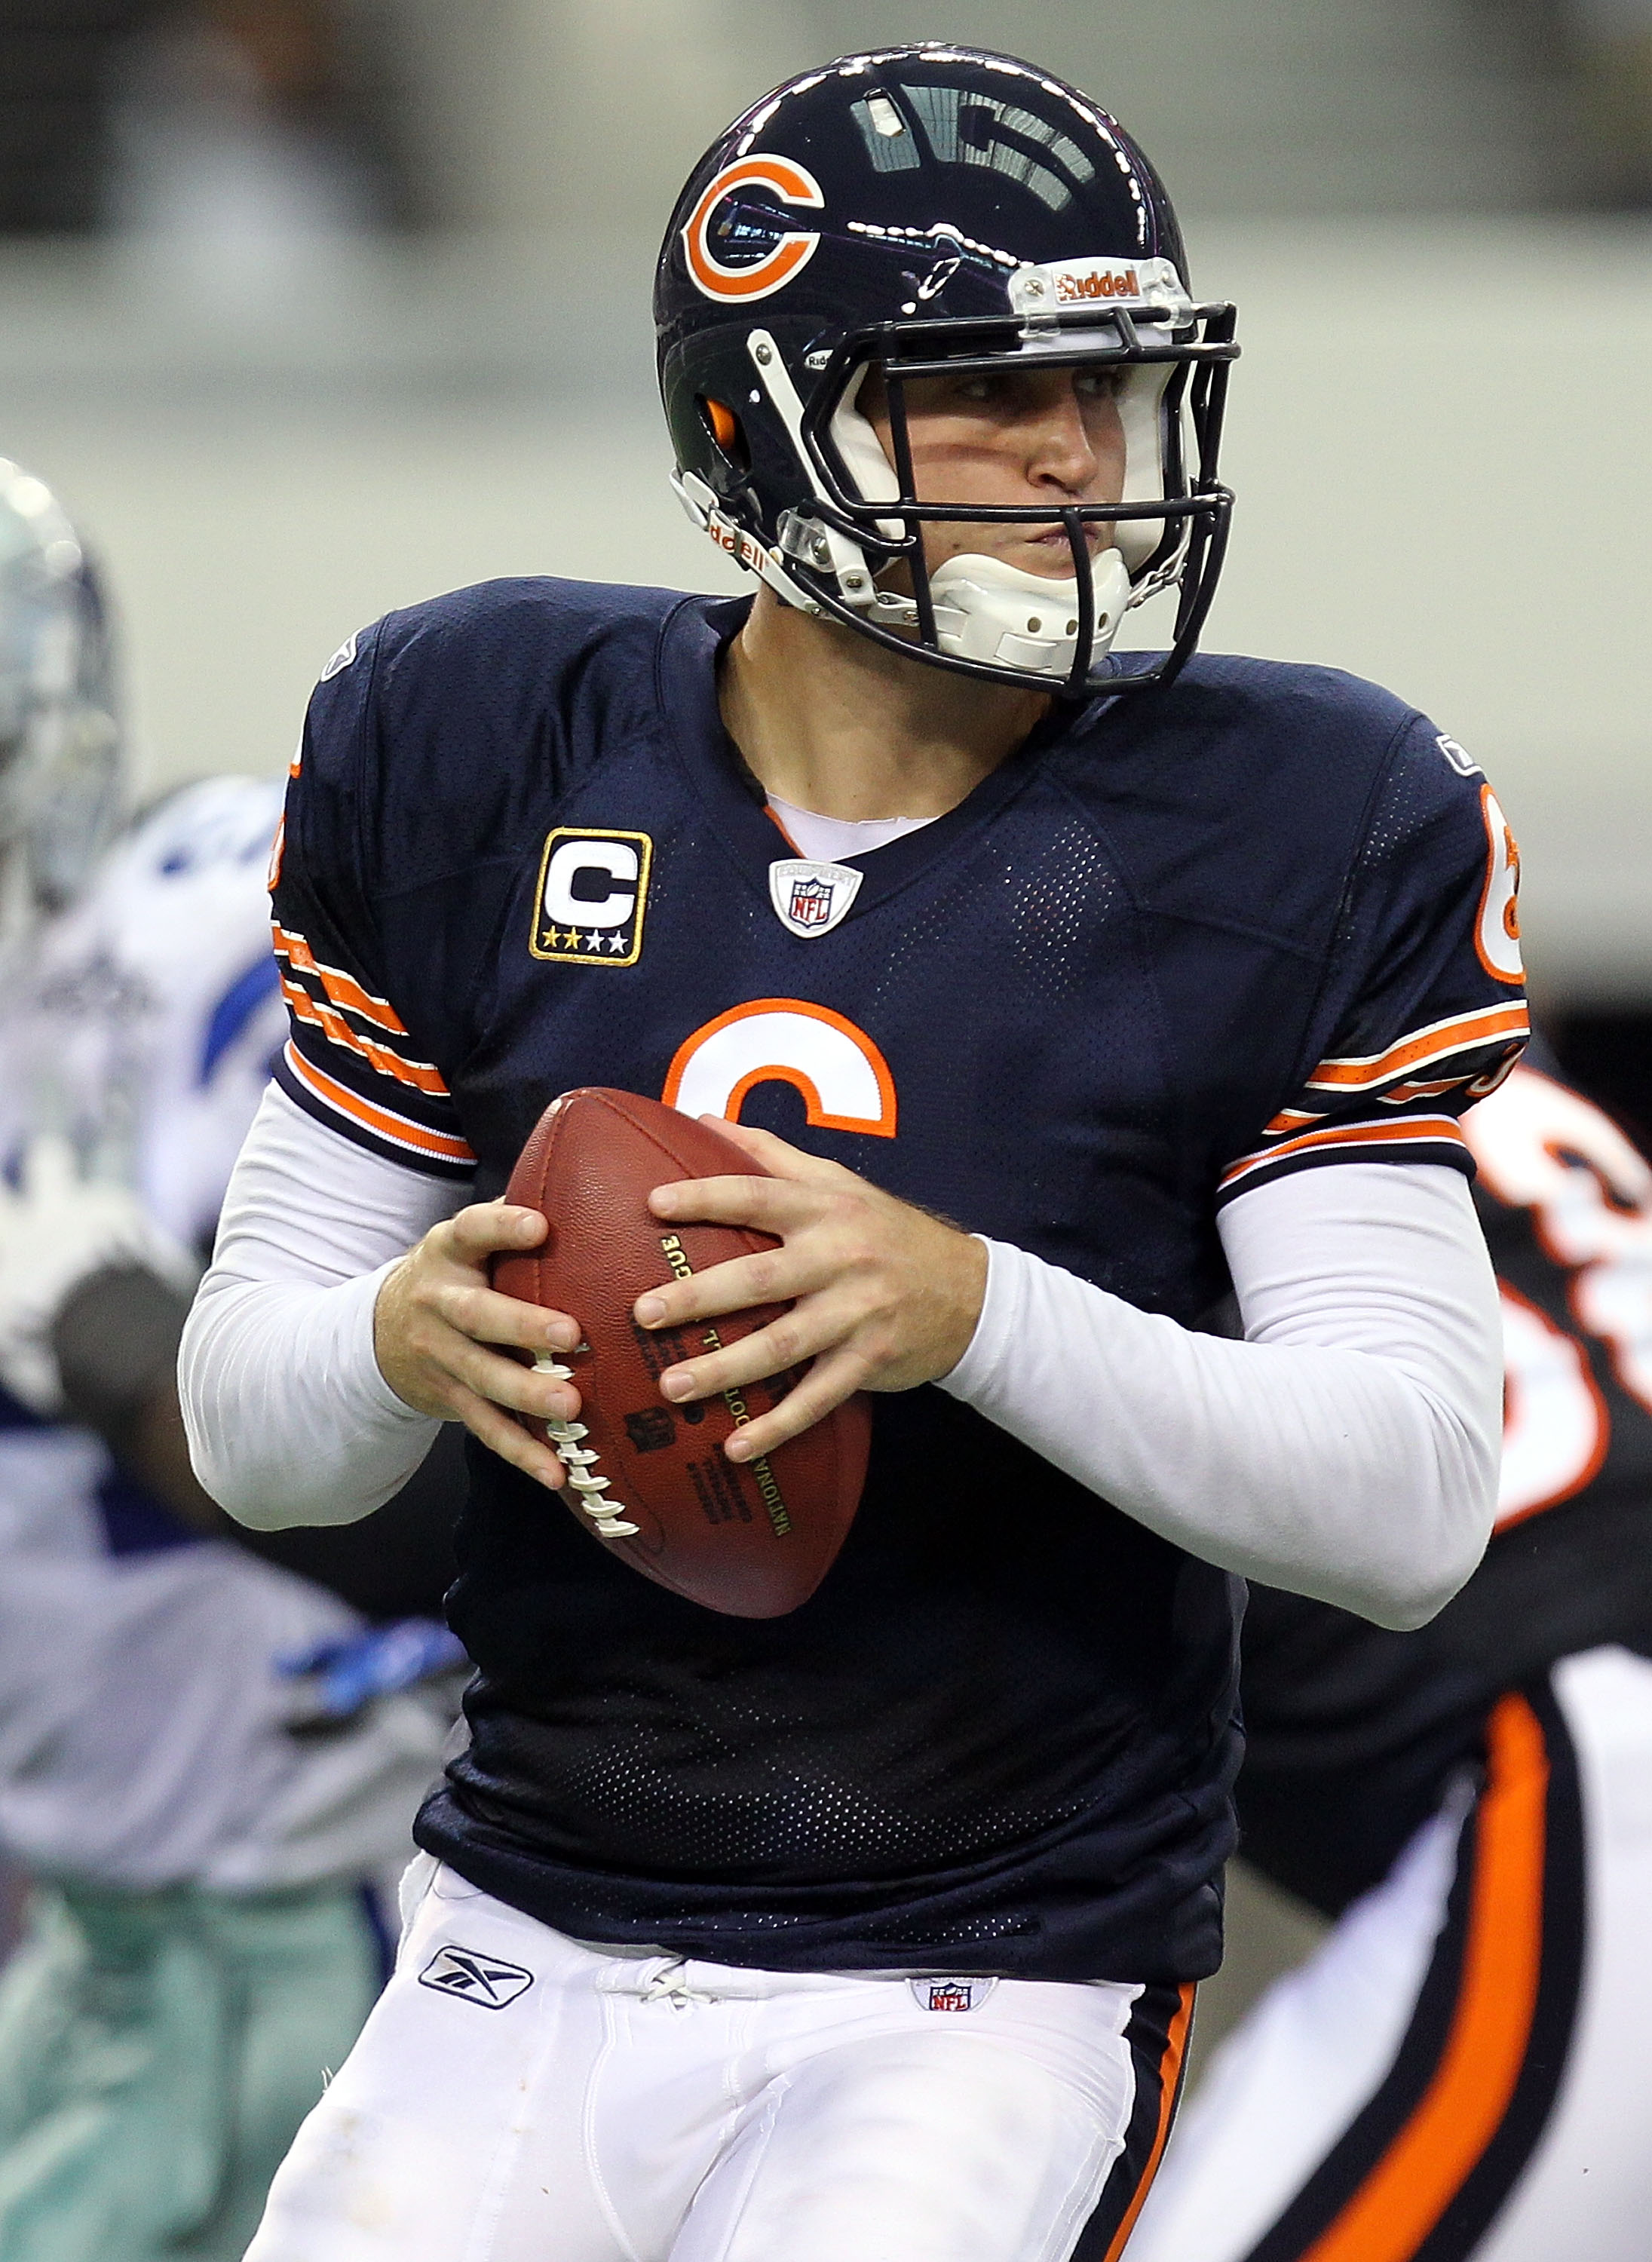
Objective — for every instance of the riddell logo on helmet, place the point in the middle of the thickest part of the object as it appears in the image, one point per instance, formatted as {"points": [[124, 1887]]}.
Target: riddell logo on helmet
{"points": [[796, 246], [751, 553], [1104, 283]]}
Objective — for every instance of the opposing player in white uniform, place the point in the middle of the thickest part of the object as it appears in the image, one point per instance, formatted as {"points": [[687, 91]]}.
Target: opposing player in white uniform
{"points": [[199, 1946]]}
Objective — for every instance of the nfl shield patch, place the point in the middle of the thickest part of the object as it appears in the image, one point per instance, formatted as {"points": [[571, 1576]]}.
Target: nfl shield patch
{"points": [[952, 1994], [809, 899]]}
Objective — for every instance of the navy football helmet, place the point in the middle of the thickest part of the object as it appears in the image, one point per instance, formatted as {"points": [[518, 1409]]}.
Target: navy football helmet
{"points": [[929, 209], [61, 754]]}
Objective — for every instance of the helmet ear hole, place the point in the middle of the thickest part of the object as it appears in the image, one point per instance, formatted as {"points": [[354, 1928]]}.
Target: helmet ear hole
{"points": [[724, 428]]}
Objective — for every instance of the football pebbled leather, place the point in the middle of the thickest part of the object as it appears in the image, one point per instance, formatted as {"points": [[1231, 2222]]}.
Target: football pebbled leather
{"points": [[650, 1480]]}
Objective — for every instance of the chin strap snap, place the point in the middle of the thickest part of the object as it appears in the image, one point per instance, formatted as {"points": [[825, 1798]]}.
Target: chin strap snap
{"points": [[699, 502]]}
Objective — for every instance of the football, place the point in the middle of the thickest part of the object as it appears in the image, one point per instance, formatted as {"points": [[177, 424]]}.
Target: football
{"points": [[648, 1480]]}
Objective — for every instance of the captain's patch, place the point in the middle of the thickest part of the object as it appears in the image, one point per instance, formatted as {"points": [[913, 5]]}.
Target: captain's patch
{"points": [[592, 898]]}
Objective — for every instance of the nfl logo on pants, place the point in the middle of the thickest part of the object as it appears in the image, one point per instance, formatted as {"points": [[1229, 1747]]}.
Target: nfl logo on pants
{"points": [[952, 1994]]}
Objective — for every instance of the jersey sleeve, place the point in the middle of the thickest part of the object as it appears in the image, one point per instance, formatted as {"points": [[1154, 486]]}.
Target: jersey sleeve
{"points": [[1423, 1009], [351, 1060]]}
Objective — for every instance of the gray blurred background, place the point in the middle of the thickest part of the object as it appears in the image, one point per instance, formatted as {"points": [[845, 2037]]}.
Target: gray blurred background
{"points": [[312, 307]]}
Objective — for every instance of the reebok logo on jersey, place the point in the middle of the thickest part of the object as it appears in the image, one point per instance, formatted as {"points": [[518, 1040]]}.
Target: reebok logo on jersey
{"points": [[593, 897], [475, 1977], [1464, 764], [952, 1994], [343, 658]]}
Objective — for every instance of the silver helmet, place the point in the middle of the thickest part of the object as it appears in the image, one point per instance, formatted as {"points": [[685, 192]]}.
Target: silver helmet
{"points": [[60, 750]]}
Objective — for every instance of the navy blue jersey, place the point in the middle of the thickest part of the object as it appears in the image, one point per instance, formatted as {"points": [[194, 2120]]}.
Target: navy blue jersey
{"points": [[1170, 947], [1354, 1731]]}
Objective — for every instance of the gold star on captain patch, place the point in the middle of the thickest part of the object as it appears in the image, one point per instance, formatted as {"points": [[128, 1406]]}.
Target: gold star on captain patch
{"points": [[553, 939]]}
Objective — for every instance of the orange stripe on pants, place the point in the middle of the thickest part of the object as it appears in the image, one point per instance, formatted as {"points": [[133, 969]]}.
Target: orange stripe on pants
{"points": [[1428, 2163], [1169, 2079]]}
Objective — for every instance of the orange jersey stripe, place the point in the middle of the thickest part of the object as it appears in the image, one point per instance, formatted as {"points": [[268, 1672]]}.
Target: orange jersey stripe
{"points": [[418, 1074], [1169, 2078], [1422, 2171], [1407, 1132], [396, 1128], [1403, 1095], [338, 985], [1460, 1034]]}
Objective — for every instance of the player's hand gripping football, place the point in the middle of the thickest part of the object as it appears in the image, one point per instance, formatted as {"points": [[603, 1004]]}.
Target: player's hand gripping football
{"points": [[443, 1338], [884, 1296]]}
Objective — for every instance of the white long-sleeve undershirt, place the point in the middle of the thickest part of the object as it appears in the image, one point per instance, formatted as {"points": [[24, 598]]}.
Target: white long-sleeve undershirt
{"points": [[289, 1419], [1347, 1449]]}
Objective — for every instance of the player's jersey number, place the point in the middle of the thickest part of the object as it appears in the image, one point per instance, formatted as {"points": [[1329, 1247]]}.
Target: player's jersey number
{"points": [[1543, 1148], [1497, 931], [1556, 1426], [842, 1076]]}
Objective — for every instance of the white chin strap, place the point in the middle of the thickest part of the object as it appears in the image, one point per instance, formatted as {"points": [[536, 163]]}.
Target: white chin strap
{"points": [[988, 610]]}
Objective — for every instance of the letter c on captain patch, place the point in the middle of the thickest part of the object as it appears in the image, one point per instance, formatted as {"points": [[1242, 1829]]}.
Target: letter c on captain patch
{"points": [[593, 894]]}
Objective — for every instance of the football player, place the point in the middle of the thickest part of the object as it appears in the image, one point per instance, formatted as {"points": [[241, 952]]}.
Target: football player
{"points": [[200, 1810], [871, 1929], [1454, 2072]]}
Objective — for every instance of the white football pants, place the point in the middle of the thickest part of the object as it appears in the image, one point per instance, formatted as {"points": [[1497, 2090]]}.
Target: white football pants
{"points": [[1460, 2069], [519, 2097]]}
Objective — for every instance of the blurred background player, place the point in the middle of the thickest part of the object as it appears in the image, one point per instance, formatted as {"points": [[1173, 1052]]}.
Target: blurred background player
{"points": [[1455, 2073], [206, 1824]]}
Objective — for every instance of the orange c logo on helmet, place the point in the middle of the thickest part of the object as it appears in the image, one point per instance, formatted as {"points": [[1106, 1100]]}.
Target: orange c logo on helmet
{"points": [[795, 248]]}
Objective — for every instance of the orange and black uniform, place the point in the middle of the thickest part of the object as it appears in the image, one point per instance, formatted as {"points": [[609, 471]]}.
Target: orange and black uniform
{"points": [[1357, 1735]]}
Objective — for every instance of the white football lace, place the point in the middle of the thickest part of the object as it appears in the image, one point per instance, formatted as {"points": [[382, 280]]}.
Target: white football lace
{"points": [[577, 1459]]}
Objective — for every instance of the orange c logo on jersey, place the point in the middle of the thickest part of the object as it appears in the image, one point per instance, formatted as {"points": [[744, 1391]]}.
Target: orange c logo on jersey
{"points": [[844, 1079], [795, 248]]}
